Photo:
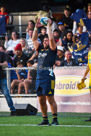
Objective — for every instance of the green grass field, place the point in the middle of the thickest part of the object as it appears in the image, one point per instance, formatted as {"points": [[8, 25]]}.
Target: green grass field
{"points": [[71, 124]]}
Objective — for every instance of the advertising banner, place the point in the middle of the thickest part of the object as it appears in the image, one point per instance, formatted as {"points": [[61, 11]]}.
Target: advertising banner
{"points": [[67, 96]]}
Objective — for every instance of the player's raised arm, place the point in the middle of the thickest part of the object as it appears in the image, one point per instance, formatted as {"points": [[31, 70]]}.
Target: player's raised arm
{"points": [[50, 35], [35, 35]]}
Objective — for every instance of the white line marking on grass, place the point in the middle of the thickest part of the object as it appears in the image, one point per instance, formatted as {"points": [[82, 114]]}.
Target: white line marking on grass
{"points": [[82, 126]]}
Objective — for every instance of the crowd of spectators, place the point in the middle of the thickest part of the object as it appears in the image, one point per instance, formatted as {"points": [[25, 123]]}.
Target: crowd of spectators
{"points": [[69, 37]]}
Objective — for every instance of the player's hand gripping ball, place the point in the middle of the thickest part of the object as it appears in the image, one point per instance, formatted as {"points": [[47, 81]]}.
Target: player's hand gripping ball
{"points": [[44, 21]]}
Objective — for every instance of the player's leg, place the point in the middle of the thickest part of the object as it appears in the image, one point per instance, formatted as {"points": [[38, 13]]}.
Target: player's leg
{"points": [[52, 103], [90, 96], [90, 92], [53, 107], [43, 107], [90, 86]]}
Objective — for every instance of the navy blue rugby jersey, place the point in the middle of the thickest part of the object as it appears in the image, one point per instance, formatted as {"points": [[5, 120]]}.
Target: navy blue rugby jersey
{"points": [[46, 60]]}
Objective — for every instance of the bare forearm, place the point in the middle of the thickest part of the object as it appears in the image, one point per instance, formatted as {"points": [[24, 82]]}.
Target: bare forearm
{"points": [[52, 43], [86, 72], [35, 34], [50, 35], [18, 76]]}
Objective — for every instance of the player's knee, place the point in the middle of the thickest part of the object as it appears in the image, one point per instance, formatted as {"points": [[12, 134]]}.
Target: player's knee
{"points": [[51, 102]]}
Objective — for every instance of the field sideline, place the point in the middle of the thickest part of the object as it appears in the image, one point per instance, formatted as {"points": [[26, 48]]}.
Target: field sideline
{"points": [[70, 124]]}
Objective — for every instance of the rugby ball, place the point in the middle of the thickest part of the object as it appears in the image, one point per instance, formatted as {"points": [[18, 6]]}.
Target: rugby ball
{"points": [[44, 20]]}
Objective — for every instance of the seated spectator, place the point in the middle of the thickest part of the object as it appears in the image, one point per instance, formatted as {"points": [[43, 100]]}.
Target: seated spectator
{"points": [[83, 37], [29, 40], [62, 30], [69, 60], [31, 25], [79, 29], [43, 33], [25, 47], [57, 39], [21, 75], [54, 24], [89, 7], [29, 83], [68, 22], [20, 56], [3, 12], [60, 55], [72, 44], [89, 15], [67, 42], [10, 44]]}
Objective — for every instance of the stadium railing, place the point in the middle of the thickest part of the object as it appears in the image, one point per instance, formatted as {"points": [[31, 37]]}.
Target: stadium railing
{"points": [[9, 75], [19, 21]]}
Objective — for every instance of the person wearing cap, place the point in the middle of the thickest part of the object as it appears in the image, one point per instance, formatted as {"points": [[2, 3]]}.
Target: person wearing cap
{"points": [[20, 56], [62, 30], [60, 55]]}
